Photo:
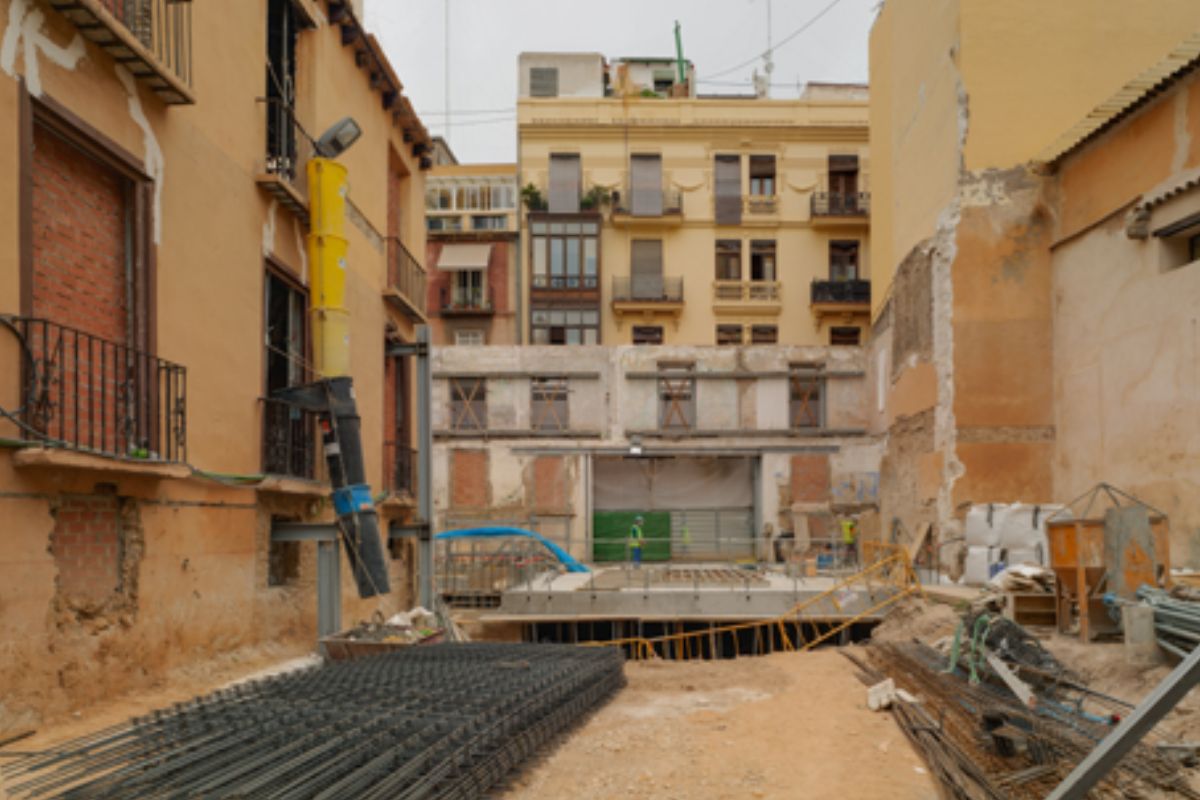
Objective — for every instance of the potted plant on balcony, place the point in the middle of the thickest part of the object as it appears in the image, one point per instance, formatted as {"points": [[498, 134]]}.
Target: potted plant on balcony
{"points": [[532, 197], [595, 197]]}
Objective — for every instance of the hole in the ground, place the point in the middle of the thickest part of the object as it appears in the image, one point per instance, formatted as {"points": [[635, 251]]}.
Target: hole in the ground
{"points": [[697, 639]]}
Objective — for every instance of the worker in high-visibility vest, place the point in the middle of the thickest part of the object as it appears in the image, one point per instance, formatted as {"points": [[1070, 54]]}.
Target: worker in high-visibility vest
{"points": [[849, 541], [636, 538]]}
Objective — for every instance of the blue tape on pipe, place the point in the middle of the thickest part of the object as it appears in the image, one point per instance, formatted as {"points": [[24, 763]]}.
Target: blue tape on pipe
{"points": [[496, 531], [349, 499]]}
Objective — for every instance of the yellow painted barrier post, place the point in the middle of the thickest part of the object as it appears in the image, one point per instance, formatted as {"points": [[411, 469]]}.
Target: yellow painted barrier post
{"points": [[327, 247]]}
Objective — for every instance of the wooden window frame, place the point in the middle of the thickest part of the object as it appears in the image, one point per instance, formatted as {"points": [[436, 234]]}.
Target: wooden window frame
{"points": [[642, 335], [764, 334], [725, 334], [844, 333]]}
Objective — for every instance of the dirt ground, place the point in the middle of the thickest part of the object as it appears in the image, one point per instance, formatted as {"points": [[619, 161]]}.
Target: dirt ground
{"points": [[782, 726], [180, 684]]}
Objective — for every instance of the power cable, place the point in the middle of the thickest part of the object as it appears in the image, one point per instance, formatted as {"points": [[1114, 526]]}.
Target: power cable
{"points": [[778, 44]]}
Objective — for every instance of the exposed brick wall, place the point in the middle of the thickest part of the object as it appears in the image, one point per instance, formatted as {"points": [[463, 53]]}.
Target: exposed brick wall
{"points": [[550, 483], [87, 548], [810, 478], [78, 239], [469, 479]]}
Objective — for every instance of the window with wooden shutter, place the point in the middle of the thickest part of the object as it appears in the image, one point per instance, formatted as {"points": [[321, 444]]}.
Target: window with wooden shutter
{"points": [[762, 260], [727, 172], [646, 186], [564, 183], [762, 176], [729, 334], [843, 184], [764, 334], [647, 334], [729, 259], [543, 82], [646, 269], [843, 260]]}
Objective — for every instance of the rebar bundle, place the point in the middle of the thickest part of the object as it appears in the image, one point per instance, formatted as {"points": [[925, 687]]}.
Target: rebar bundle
{"points": [[446, 721], [1176, 619], [982, 743]]}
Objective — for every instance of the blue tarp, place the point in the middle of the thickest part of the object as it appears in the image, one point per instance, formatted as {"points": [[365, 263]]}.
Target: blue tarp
{"points": [[562, 555]]}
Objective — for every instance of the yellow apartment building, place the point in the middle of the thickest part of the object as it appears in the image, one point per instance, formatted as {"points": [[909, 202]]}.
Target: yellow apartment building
{"points": [[155, 291], [471, 255], [656, 216]]}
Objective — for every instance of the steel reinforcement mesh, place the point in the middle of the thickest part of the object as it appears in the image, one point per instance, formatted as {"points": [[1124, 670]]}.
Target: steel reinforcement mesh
{"points": [[447, 720]]}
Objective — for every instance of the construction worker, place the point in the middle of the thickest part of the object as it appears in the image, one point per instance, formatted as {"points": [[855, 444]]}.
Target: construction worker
{"points": [[636, 538], [849, 540]]}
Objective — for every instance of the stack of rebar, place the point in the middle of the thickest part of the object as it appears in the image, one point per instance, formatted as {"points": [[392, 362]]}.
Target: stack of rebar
{"points": [[1176, 620], [981, 743], [438, 721]]}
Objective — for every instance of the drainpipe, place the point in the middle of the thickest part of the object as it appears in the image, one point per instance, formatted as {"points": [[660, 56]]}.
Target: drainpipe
{"points": [[424, 468], [332, 395]]}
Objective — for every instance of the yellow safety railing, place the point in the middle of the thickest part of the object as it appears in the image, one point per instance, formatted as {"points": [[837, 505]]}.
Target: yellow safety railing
{"points": [[887, 569]]}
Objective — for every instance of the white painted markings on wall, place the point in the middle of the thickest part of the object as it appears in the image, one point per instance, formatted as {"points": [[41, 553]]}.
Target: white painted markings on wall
{"points": [[24, 32]]}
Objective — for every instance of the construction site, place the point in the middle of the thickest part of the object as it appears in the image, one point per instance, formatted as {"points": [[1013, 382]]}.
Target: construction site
{"points": [[720, 438]]}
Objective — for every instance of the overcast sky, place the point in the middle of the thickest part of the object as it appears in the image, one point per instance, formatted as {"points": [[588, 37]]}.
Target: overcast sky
{"points": [[486, 36]]}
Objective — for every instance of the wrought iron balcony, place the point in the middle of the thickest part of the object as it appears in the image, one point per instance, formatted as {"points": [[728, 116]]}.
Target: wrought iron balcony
{"points": [[841, 204], [648, 204], [406, 281], [283, 171], [150, 38], [473, 302], [289, 440], [87, 393], [400, 468], [647, 289], [855, 292]]}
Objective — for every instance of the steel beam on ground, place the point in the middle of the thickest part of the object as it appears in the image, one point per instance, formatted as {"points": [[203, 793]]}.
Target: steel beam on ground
{"points": [[1105, 756]]}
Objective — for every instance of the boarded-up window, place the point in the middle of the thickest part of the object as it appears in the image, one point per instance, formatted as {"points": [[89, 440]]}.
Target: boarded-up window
{"points": [[549, 410], [729, 259], [729, 334], [843, 261], [646, 266], [543, 81], [647, 334], [468, 404], [764, 334], [762, 260], [844, 336], [646, 186], [676, 396], [727, 171], [807, 390], [762, 175], [564, 183]]}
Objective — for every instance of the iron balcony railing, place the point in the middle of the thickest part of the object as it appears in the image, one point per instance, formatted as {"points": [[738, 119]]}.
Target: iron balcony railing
{"points": [[841, 204], [854, 291], [152, 38], [647, 289], [474, 300], [289, 147], [289, 439], [407, 276], [400, 466], [749, 291], [87, 393], [565, 282], [656, 203]]}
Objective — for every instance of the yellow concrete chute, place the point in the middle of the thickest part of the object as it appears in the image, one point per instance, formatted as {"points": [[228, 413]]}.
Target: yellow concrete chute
{"points": [[327, 248]]}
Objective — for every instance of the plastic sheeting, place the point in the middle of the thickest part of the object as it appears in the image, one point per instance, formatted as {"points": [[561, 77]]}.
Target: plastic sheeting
{"points": [[672, 484]]}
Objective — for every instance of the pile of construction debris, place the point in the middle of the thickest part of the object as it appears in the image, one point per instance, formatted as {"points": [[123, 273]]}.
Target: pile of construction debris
{"points": [[996, 715]]}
